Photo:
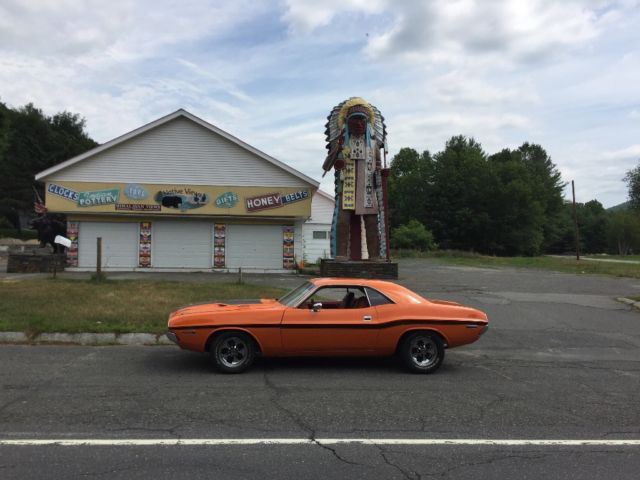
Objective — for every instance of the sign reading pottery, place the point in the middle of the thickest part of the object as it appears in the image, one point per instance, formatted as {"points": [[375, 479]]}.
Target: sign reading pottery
{"points": [[227, 200], [98, 197], [63, 192], [138, 207], [135, 192], [181, 198], [295, 196], [263, 202]]}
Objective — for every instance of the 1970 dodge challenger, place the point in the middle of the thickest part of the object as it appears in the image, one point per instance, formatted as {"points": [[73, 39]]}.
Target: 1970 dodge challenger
{"points": [[329, 317]]}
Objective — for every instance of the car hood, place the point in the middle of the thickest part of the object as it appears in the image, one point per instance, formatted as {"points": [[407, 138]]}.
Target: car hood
{"points": [[226, 306]]}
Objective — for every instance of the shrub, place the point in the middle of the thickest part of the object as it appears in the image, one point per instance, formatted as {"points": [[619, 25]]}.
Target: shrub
{"points": [[413, 235]]}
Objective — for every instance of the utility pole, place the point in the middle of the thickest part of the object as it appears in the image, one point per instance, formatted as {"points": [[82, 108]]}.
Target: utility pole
{"points": [[575, 220]]}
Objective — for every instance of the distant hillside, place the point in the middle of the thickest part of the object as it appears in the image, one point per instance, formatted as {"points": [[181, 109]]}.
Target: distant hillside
{"points": [[622, 206]]}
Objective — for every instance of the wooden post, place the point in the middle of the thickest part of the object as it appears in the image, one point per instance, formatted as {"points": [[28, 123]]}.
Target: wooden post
{"points": [[575, 220], [98, 258]]}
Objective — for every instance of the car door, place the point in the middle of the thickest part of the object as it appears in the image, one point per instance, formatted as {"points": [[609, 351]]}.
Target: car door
{"points": [[343, 322]]}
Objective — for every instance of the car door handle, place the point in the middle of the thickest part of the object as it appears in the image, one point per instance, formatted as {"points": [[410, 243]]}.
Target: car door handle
{"points": [[367, 318]]}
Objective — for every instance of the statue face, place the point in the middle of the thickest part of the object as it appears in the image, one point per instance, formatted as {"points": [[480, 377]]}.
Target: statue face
{"points": [[357, 125]]}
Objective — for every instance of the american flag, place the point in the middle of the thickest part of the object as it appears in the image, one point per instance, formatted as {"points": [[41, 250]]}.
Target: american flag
{"points": [[38, 204]]}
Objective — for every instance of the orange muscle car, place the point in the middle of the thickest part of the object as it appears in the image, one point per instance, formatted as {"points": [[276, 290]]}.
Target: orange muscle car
{"points": [[329, 317]]}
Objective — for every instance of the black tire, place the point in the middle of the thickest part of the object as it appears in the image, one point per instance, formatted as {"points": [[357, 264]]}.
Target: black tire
{"points": [[232, 352], [421, 352]]}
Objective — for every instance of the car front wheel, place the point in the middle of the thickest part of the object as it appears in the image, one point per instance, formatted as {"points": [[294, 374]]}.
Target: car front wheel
{"points": [[422, 352], [232, 352]]}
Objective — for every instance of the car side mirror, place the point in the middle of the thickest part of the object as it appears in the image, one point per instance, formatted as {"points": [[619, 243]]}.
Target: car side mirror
{"points": [[316, 307]]}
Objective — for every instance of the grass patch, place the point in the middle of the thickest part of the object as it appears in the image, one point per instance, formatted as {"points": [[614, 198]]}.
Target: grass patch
{"points": [[122, 306], [568, 264]]}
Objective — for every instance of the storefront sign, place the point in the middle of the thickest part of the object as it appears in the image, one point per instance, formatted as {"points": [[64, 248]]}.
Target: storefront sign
{"points": [[181, 198], [63, 192], [227, 200], [135, 192], [138, 207], [295, 196], [263, 202], [98, 197]]}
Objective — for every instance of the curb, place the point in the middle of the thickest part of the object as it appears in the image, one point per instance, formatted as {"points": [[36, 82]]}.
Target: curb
{"points": [[135, 339], [629, 302]]}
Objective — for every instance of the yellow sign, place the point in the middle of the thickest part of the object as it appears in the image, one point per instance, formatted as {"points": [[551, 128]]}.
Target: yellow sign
{"points": [[166, 200]]}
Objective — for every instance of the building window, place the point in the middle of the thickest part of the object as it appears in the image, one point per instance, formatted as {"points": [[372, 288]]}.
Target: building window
{"points": [[319, 235]]}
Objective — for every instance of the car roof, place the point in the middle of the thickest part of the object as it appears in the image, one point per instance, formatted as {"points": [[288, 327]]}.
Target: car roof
{"points": [[388, 288]]}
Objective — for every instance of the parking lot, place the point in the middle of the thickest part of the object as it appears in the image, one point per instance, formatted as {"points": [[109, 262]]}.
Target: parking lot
{"points": [[560, 362]]}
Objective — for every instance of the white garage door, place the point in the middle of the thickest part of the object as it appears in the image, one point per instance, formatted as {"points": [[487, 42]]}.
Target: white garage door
{"points": [[119, 244], [183, 244], [254, 246]]}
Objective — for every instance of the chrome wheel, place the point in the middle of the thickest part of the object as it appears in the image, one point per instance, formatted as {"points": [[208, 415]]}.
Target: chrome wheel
{"points": [[232, 352], [423, 351]]}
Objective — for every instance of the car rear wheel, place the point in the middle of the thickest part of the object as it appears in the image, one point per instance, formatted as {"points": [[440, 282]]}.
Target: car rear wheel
{"points": [[422, 352], [232, 352]]}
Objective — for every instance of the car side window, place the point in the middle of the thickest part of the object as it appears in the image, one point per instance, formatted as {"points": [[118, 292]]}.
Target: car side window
{"points": [[338, 298], [376, 298]]}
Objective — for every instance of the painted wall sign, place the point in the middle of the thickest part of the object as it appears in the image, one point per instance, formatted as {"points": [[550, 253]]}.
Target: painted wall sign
{"points": [[219, 244], [144, 245], [98, 197], [181, 198], [135, 192], [227, 200], [295, 196], [262, 202], [63, 192], [138, 207], [171, 200]]}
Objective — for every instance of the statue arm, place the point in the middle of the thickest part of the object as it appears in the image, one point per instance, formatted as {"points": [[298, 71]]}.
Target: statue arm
{"points": [[331, 157]]}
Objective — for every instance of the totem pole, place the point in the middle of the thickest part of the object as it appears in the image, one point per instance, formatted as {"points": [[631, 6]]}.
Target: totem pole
{"points": [[356, 134]]}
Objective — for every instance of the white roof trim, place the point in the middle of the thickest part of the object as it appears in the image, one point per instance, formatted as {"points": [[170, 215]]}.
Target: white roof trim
{"points": [[326, 195], [179, 113]]}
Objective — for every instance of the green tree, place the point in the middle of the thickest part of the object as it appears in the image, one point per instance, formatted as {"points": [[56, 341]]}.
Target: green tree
{"points": [[632, 179], [412, 236], [624, 232], [517, 215], [457, 211], [29, 143], [409, 185]]}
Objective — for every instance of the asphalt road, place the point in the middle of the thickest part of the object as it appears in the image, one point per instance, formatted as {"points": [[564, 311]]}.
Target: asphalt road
{"points": [[561, 361]]}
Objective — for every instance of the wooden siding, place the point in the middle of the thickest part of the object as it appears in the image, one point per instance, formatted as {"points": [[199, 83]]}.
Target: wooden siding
{"points": [[321, 209], [179, 152]]}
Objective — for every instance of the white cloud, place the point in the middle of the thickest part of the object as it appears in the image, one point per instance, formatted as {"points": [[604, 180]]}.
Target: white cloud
{"points": [[520, 30], [631, 152], [304, 16]]}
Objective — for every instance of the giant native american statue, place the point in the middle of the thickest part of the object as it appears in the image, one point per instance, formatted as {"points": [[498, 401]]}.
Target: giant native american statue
{"points": [[356, 134]]}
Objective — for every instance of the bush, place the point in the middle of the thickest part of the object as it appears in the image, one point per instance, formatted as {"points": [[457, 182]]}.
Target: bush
{"points": [[413, 236]]}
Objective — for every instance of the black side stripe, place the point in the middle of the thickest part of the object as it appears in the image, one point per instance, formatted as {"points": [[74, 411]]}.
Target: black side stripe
{"points": [[359, 326]]}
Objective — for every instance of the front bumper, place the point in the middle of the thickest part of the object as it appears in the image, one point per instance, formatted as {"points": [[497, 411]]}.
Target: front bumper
{"points": [[172, 336]]}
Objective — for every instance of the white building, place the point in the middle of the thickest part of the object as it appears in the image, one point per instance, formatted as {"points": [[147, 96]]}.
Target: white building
{"points": [[181, 194], [317, 230]]}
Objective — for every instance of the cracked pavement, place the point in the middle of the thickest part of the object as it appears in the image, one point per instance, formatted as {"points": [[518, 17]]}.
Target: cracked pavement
{"points": [[561, 361]]}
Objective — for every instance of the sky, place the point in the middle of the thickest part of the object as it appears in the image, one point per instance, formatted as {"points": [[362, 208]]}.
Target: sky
{"points": [[562, 74]]}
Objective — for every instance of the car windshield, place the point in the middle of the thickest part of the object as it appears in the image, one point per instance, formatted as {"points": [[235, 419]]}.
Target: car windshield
{"points": [[293, 298]]}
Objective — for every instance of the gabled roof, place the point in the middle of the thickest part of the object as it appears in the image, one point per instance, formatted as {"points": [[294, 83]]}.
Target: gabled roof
{"points": [[161, 121]]}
